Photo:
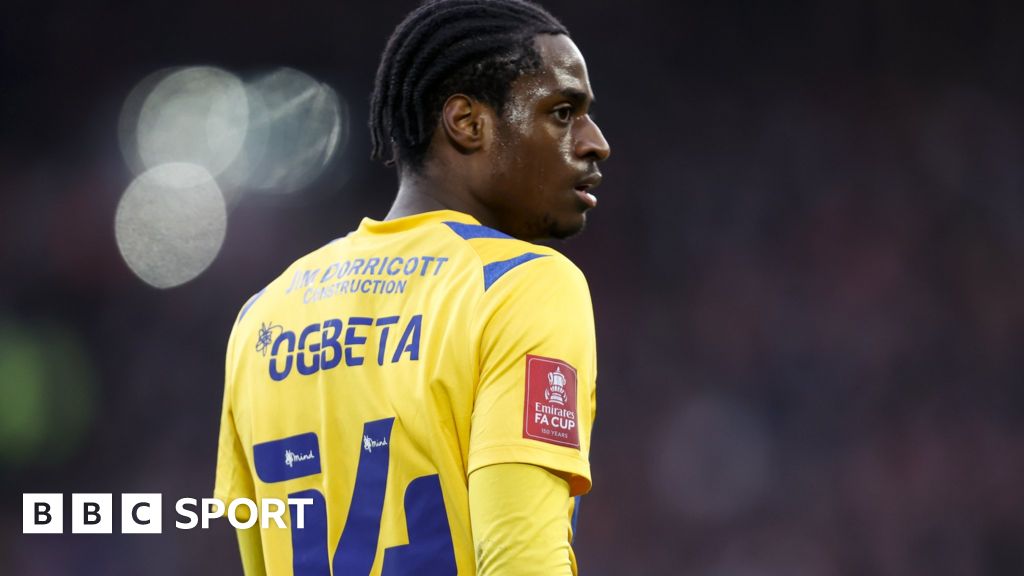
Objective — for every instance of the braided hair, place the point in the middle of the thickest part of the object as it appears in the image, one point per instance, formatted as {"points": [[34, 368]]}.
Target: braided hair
{"points": [[444, 47]]}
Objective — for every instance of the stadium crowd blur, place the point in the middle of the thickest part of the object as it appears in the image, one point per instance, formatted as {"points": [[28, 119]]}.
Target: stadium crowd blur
{"points": [[807, 268]]}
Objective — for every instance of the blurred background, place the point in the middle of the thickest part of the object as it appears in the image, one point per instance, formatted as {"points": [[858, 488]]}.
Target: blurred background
{"points": [[807, 268]]}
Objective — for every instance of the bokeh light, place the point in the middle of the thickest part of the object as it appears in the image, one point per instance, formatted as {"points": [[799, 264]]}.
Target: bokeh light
{"points": [[296, 126], [128, 122], [198, 115], [170, 223], [199, 140]]}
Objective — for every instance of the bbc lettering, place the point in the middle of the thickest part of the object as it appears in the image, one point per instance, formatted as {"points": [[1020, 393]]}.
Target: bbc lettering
{"points": [[141, 513], [42, 514], [91, 513]]}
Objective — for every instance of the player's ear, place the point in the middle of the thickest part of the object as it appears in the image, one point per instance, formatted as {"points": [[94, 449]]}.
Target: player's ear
{"points": [[466, 122]]}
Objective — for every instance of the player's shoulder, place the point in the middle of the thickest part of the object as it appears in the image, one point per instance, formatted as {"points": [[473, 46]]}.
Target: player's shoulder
{"points": [[299, 273], [506, 260]]}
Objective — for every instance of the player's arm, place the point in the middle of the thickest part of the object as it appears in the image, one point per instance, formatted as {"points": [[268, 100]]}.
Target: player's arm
{"points": [[520, 519], [234, 479], [251, 548], [532, 416]]}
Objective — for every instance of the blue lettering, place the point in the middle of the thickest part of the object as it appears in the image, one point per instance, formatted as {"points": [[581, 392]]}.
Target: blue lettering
{"points": [[327, 273], [314, 367], [357, 266], [330, 343], [440, 261], [275, 374], [386, 323], [392, 268], [318, 346], [309, 276], [302, 279], [343, 269], [371, 266], [411, 265], [352, 340], [426, 262], [410, 341]]}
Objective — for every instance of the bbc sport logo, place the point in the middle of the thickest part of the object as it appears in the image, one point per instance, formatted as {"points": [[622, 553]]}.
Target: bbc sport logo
{"points": [[143, 513]]}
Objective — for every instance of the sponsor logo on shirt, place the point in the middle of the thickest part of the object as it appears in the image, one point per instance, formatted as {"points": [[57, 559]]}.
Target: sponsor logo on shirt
{"points": [[290, 458], [287, 458], [550, 407], [369, 443], [377, 275], [265, 337]]}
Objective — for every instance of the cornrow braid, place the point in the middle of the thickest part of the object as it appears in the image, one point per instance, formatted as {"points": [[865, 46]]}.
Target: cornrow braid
{"points": [[444, 47]]}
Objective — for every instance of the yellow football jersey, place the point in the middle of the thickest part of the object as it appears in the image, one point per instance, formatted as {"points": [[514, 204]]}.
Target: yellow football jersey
{"points": [[376, 373]]}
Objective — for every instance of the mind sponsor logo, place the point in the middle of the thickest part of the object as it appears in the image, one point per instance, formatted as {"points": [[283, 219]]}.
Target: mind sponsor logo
{"points": [[290, 458], [369, 443]]}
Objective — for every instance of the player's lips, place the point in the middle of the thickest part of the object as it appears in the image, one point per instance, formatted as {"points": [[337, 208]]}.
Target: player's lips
{"points": [[584, 185]]}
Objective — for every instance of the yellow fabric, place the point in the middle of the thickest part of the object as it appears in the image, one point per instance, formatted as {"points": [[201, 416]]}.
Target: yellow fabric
{"points": [[251, 549], [396, 321], [521, 521]]}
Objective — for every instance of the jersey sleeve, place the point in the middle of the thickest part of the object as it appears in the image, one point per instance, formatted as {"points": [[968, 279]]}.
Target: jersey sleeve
{"points": [[520, 521], [535, 398], [234, 479]]}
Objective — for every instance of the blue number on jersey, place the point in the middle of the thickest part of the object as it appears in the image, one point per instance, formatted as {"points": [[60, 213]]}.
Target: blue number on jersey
{"points": [[429, 552]]}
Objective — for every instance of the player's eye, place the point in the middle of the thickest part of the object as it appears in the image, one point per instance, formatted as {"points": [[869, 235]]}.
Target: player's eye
{"points": [[563, 113]]}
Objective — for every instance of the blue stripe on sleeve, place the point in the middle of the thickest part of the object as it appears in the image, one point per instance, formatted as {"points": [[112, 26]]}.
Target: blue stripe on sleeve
{"points": [[250, 303], [496, 270], [470, 231], [575, 516]]}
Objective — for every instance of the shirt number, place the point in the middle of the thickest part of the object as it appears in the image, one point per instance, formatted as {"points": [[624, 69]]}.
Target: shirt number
{"points": [[429, 552]]}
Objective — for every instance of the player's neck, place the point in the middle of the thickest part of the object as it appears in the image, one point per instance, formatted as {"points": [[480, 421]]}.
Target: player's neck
{"points": [[418, 194], [414, 200]]}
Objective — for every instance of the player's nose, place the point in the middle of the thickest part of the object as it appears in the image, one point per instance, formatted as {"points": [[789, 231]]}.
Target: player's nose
{"points": [[590, 142]]}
